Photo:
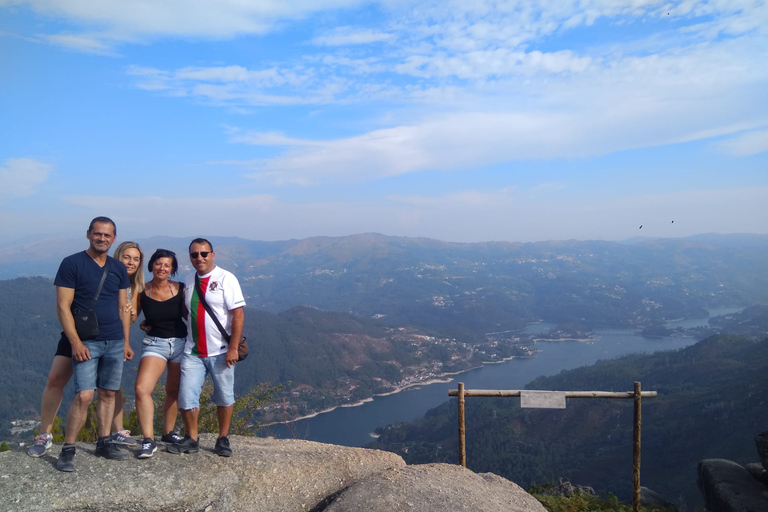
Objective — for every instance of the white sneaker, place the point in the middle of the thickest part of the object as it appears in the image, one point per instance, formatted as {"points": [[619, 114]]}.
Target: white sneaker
{"points": [[43, 441]]}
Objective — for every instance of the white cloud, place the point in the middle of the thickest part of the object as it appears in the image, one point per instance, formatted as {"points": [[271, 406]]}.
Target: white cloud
{"points": [[344, 36], [137, 19], [750, 143], [81, 42], [20, 176], [680, 95]]}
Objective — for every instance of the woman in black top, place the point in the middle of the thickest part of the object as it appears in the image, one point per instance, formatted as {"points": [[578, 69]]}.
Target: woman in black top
{"points": [[162, 302]]}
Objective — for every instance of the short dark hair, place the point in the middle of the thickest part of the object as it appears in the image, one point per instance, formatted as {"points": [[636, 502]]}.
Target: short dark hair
{"points": [[200, 241], [164, 253], [102, 220]]}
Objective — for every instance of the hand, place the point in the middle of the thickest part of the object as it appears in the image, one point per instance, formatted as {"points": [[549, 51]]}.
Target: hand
{"points": [[129, 309], [128, 353], [80, 352], [144, 327], [232, 355]]}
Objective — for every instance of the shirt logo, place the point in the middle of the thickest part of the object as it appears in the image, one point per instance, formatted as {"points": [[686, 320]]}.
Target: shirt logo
{"points": [[213, 286]]}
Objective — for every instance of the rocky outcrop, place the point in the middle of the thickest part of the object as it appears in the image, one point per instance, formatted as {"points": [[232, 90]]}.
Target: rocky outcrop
{"points": [[434, 488], [263, 475], [567, 489], [728, 487]]}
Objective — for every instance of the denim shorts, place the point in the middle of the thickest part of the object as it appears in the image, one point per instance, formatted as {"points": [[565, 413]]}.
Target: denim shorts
{"points": [[104, 369], [170, 349], [193, 372]]}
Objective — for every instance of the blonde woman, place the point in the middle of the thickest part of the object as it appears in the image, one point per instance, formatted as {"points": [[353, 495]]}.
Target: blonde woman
{"points": [[130, 254]]}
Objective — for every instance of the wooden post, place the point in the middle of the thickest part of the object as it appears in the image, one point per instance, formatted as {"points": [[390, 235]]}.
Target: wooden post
{"points": [[462, 430], [636, 451]]}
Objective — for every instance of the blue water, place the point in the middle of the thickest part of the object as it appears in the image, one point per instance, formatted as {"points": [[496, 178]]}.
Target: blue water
{"points": [[352, 426]]}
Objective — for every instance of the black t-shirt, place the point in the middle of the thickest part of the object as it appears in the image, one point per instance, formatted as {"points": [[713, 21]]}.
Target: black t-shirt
{"points": [[165, 317]]}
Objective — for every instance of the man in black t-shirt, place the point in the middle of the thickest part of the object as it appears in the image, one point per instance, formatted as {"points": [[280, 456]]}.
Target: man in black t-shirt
{"points": [[98, 362]]}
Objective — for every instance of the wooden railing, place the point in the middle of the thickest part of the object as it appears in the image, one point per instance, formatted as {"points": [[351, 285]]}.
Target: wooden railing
{"points": [[556, 400]]}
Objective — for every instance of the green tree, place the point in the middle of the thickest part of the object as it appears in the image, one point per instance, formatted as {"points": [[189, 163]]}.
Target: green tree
{"points": [[4, 447], [246, 406]]}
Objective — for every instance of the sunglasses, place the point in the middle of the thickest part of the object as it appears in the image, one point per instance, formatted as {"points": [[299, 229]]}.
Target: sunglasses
{"points": [[204, 254]]}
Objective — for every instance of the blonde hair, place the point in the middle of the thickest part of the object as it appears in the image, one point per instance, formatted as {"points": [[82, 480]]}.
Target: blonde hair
{"points": [[137, 279]]}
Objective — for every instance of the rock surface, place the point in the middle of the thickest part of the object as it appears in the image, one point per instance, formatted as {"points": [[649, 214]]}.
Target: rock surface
{"points": [[567, 489], [263, 475], [761, 442], [434, 488], [728, 487]]}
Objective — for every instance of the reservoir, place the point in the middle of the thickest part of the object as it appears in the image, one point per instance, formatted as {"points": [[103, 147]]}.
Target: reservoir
{"points": [[353, 426]]}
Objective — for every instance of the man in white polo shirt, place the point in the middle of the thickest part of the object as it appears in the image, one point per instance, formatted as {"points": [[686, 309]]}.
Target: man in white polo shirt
{"points": [[207, 350]]}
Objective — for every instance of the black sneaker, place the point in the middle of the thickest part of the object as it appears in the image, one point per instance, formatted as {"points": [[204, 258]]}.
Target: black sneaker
{"points": [[66, 460], [170, 438], [222, 448], [109, 450], [148, 448], [187, 445]]}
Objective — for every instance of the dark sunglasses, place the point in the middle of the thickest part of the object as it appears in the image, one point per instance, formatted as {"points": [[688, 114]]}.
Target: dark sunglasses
{"points": [[204, 254]]}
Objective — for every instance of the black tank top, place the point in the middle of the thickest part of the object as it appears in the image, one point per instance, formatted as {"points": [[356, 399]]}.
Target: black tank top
{"points": [[165, 317]]}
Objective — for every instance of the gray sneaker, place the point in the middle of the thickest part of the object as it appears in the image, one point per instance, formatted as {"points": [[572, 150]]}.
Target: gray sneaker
{"points": [[66, 460], [43, 441], [123, 438]]}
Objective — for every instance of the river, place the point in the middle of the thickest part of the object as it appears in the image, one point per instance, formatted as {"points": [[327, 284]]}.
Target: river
{"points": [[352, 426]]}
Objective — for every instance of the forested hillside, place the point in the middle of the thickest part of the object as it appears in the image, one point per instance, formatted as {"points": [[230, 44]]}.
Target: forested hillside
{"points": [[712, 401], [323, 358]]}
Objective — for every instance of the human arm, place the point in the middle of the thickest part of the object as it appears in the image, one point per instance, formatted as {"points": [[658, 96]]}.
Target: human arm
{"points": [[125, 318], [134, 306], [64, 299], [238, 320]]}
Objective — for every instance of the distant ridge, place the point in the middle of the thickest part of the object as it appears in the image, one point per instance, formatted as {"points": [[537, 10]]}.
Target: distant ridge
{"points": [[42, 257]]}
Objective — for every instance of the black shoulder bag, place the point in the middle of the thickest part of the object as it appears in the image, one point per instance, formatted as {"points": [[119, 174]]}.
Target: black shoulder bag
{"points": [[242, 348], [86, 322]]}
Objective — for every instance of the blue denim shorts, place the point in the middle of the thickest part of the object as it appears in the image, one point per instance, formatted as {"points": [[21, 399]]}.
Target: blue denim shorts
{"points": [[170, 349], [193, 372], [104, 369]]}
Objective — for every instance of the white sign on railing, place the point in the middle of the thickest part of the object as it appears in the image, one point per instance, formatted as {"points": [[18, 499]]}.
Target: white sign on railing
{"points": [[542, 399]]}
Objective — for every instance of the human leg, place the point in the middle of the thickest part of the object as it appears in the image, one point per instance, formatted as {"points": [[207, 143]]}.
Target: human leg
{"points": [[192, 376], [193, 371], [109, 375], [224, 398], [171, 405], [118, 423], [190, 417], [150, 370], [85, 378], [58, 376], [105, 409], [76, 414], [223, 391]]}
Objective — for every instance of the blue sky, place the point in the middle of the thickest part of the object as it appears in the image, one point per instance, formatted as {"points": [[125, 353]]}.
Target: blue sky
{"points": [[457, 120]]}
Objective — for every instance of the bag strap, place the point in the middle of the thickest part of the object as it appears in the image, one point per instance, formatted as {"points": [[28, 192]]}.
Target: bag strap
{"points": [[101, 285], [201, 298]]}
